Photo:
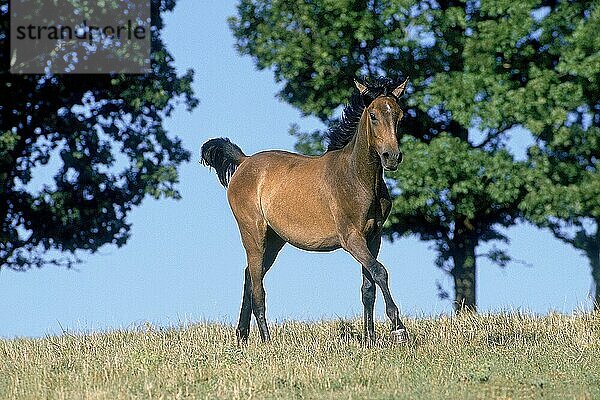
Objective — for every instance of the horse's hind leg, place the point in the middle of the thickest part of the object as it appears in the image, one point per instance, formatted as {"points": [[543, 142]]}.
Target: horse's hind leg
{"points": [[243, 328], [262, 246], [273, 244]]}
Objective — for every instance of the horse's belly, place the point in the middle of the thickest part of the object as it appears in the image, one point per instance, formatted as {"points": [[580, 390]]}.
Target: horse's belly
{"points": [[314, 243], [310, 244], [304, 228]]}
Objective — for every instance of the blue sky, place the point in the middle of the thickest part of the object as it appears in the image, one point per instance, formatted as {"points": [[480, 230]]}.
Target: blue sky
{"points": [[184, 261]]}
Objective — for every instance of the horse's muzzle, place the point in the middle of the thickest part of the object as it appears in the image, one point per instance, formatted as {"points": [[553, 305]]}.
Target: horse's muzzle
{"points": [[390, 161]]}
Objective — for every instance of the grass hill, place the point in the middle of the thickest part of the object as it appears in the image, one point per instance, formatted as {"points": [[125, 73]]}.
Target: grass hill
{"points": [[506, 356]]}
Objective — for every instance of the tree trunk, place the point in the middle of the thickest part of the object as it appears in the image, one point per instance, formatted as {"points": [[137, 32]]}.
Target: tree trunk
{"points": [[464, 275], [595, 263], [593, 253]]}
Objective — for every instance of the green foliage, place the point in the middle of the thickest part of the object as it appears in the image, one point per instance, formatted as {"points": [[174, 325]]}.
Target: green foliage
{"points": [[555, 93], [309, 143], [106, 131], [445, 183], [546, 77]]}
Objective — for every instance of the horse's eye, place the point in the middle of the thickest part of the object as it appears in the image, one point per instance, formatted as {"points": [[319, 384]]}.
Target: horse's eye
{"points": [[373, 117]]}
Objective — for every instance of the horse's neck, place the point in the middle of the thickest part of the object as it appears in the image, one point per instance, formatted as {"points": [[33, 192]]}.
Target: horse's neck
{"points": [[363, 160]]}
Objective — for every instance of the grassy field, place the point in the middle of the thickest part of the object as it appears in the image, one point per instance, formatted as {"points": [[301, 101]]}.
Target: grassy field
{"points": [[486, 357]]}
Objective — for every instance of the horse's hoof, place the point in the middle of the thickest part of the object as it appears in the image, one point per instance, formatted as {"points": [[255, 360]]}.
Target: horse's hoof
{"points": [[399, 335]]}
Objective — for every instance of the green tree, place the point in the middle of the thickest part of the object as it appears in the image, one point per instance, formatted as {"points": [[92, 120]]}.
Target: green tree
{"points": [[560, 104], [459, 184], [537, 64], [113, 150], [565, 197]]}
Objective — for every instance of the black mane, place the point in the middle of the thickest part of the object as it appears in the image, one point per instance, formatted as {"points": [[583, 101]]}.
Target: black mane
{"points": [[341, 133]]}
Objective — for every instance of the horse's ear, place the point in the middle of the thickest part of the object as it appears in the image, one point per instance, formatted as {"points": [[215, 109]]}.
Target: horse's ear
{"points": [[362, 88], [400, 89]]}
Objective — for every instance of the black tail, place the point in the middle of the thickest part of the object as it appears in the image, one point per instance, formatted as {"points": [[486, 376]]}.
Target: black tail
{"points": [[223, 156]]}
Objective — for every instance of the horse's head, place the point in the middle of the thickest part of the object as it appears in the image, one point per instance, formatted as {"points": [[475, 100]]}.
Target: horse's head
{"points": [[382, 115]]}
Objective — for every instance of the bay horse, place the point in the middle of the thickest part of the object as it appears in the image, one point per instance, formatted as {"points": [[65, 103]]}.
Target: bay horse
{"points": [[318, 203]]}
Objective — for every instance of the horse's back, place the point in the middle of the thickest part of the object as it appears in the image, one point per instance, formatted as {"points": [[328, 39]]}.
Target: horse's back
{"points": [[270, 165]]}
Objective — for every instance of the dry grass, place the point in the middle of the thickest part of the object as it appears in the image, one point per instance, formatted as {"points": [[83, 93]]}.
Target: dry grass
{"points": [[493, 356]]}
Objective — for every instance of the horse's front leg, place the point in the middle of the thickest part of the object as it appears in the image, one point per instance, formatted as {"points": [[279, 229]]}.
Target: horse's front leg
{"points": [[356, 244], [368, 300], [368, 292]]}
